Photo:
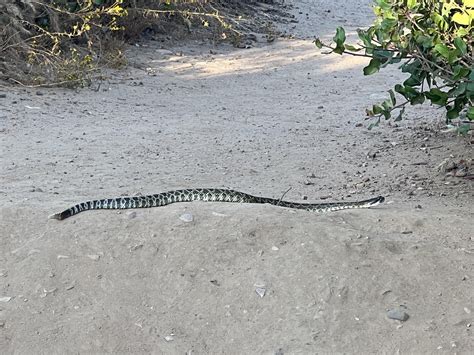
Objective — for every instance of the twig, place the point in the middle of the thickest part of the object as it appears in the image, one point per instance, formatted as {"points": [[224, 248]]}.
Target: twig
{"points": [[281, 198]]}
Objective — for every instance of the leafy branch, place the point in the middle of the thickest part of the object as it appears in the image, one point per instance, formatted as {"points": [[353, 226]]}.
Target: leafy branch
{"points": [[433, 41]]}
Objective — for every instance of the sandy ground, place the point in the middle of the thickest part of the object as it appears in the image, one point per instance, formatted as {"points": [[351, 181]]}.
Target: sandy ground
{"points": [[260, 120]]}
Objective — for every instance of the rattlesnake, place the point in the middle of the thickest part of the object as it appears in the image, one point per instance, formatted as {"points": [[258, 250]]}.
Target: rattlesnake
{"points": [[212, 195]]}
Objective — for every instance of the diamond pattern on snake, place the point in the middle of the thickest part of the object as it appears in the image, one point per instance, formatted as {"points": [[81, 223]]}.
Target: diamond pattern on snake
{"points": [[209, 195]]}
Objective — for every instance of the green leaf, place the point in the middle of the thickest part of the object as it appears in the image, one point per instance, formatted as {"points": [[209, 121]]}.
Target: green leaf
{"points": [[339, 39], [387, 105], [437, 96], [392, 97], [470, 85], [460, 72], [386, 114], [340, 36], [365, 38], [440, 21], [387, 24], [452, 113], [413, 80], [458, 90], [460, 45], [412, 4], [352, 48], [442, 49], [407, 91], [418, 99], [377, 109], [461, 32], [412, 67], [470, 113], [374, 124], [373, 67], [318, 43], [462, 18]]}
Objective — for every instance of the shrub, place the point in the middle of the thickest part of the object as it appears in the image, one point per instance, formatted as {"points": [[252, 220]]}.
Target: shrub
{"points": [[433, 39]]}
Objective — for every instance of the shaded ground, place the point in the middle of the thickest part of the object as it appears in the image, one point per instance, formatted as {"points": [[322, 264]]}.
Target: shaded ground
{"points": [[260, 120]]}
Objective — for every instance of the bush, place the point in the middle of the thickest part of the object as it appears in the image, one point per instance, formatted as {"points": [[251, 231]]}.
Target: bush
{"points": [[434, 41], [63, 42]]}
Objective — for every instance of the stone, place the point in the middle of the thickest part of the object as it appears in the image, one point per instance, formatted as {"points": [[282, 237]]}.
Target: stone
{"points": [[186, 217], [398, 314]]}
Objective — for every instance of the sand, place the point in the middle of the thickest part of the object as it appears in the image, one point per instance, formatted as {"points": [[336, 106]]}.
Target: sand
{"points": [[253, 279]]}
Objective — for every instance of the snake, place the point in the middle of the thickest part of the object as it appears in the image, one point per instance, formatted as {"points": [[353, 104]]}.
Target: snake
{"points": [[208, 195]]}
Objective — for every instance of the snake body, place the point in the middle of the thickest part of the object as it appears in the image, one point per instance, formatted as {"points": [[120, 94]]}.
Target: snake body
{"points": [[211, 195]]}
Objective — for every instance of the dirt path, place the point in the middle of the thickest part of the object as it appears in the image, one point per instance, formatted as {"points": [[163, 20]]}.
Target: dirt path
{"points": [[259, 120]]}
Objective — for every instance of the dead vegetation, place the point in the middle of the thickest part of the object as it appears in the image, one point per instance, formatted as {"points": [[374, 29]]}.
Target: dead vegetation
{"points": [[44, 42]]}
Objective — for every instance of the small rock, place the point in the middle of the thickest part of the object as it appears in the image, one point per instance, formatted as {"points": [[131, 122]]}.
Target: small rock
{"points": [[398, 314], [169, 338], [260, 291], [2, 323], [39, 93], [5, 299], [136, 247], [275, 248], [219, 214], [164, 52], [62, 257], [2, 96], [94, 257], [186, 217]]}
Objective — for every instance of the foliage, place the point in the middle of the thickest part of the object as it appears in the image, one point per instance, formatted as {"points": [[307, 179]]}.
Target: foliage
{"points": [[54, 39], [433, 39], [51, 42]]}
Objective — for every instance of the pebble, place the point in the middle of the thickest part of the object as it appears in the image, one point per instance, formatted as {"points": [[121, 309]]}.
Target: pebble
{"points": [[131, 214], [398, 314], [5, 299], [274, 248], [260, 291], [169, 338], [186, 217]]}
